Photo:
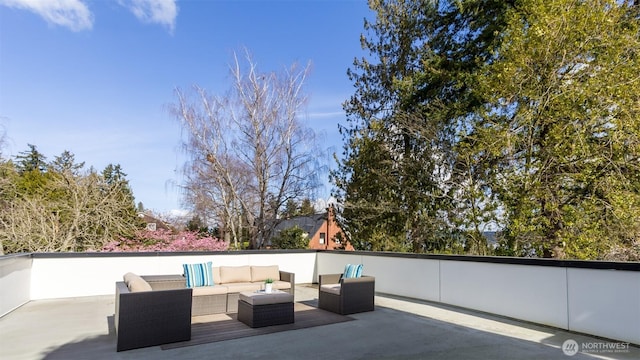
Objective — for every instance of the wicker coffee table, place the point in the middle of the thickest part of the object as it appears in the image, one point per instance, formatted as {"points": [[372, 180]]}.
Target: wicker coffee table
{"points": [[258, 309]]}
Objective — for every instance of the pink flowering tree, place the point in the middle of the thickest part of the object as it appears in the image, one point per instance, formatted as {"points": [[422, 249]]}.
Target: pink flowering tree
{"points": [[166, 241]]}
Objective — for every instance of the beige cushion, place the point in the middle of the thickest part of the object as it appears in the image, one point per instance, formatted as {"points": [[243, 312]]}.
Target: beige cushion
{"points": [[262, 298], [128, 277], [234, 274], [216, 275], [243, 286], [262, 273], [209, 290], [331, 288], [135, 283], [281, 285]]}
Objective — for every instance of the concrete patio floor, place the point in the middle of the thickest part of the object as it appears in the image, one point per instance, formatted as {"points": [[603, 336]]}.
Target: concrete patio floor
{"points": [[82, 328]]}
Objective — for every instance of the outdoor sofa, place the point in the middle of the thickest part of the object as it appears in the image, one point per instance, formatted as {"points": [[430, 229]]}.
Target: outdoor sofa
{"points": [[157, 309]]}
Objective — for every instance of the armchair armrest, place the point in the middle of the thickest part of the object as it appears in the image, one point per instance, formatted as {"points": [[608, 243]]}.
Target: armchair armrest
{"points": [[362, 279], [329, 279], [288, 277], [166, 282]]}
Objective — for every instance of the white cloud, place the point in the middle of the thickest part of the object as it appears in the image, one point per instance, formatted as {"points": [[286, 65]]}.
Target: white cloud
{"points": [[163, 12], [322, 115], [73, 14]]}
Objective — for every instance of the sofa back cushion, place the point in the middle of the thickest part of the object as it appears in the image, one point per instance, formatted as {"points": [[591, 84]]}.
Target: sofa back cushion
{"points": [[231, 274], [135, 283], [216, 275], [262, 273]]}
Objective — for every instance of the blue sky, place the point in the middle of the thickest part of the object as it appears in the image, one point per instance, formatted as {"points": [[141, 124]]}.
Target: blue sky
{"points": [[95, 77]]}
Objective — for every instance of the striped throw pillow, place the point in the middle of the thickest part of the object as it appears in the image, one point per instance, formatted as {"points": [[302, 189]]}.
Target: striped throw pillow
{"points": [[198, 274], [352, 271]]}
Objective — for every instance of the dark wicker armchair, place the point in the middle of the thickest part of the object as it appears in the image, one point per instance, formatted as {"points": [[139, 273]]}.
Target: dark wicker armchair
{"points": [[346, 296], [151, 317]]}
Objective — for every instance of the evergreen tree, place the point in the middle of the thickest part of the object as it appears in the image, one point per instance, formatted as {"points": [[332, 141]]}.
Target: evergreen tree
{"points": [[562, 125], [290, 209], [400, 180], [31, 160], [195, 224], [66, 162], [306, 207], [477, 112], [291, 238]]}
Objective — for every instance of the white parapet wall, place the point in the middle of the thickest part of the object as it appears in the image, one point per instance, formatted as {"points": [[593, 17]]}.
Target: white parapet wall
{"points": [[73, 276], [605, 303], [15, 280], [596, 298], [531, 293]]}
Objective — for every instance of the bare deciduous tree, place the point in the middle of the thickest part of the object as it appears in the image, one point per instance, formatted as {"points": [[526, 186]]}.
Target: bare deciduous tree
{"points": [[248, 151], [78, 212]]}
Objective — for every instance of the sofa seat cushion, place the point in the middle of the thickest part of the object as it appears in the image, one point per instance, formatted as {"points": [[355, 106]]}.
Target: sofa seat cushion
{"points": [[136, 283], [262, 273], [243, 286], [331, 288], [281, 285], [235, 274], [210, 290]]}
